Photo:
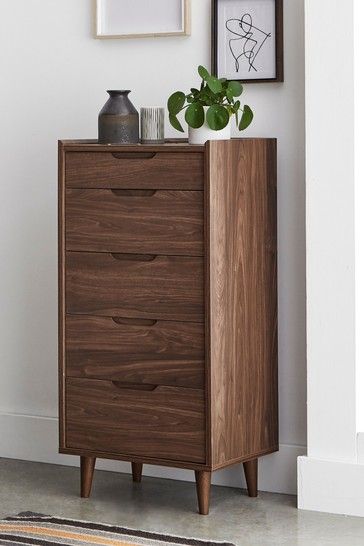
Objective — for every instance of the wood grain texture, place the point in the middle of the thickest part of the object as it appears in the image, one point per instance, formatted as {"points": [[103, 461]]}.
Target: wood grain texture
{"points": [[171, 145], [242, 293], [61, 294], [129, 170], [162, 287], [87, 474], [145, 459], [137, 471], [159, 222], [135, 351], [251, 477], [167, 422], [137, 320], [203, 487]]}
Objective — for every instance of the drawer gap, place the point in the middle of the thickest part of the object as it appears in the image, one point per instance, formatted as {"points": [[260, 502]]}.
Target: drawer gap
{"points": [[101, 315], [134, 193], [134, 386]]}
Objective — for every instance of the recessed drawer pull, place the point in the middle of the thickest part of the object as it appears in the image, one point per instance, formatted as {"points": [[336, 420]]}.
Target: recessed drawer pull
{"points": [[134, 193], [134, 386], [134, 321], [134, 155], [134, 257], [126, 168]]}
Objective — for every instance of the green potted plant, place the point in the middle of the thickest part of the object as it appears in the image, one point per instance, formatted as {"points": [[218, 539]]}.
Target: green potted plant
{"points": [[208, 110]]}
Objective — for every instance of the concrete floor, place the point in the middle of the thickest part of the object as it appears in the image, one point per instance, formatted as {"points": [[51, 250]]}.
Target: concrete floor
{"points": [[170, 506]]}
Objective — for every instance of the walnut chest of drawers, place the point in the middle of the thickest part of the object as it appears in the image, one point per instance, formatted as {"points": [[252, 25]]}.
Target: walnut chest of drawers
{"points": [[168, 306]]}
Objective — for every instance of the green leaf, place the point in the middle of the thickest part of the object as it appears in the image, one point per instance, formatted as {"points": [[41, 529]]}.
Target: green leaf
{"points": [[217, 117], [235, 88], [203, 72], [175, 123], [195, 115], [214, 84], [176, 102], [229, 95], [246, 118], [236, 106], [225, 85]]}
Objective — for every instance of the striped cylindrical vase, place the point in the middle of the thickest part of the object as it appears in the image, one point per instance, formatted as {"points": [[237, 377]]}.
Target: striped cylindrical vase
{"points": [[152, 125]]}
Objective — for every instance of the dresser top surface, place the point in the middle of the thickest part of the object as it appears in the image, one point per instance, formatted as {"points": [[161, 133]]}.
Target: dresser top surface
{"points": [[170, 145]]}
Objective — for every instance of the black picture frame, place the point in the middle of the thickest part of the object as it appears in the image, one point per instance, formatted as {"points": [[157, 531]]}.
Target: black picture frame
{"points": [[279, 44]]}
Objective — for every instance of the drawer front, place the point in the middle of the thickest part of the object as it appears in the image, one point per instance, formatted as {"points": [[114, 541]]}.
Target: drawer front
{"points": [[135, 286], [135, 350], [136, 221], [161, 170], [165, 423]]}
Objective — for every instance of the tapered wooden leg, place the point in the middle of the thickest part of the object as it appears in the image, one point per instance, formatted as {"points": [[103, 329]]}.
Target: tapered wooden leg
{"points": [[251, 476], [137, 470], [87, 474], [203, 485]]}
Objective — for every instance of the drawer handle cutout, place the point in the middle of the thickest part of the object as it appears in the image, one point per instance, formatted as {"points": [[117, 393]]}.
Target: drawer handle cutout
{"points": [[133, 257], [134, 322], [134, 193], [134, 386], [134, 155]]}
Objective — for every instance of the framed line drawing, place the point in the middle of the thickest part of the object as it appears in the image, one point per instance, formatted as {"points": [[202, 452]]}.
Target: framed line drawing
{"points": [[247, 40], [142, 18]]}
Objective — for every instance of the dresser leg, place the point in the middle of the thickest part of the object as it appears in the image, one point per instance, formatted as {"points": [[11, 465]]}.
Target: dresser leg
{"points": [[87, 474], [203, 485], [251, 476], [137, 470]]}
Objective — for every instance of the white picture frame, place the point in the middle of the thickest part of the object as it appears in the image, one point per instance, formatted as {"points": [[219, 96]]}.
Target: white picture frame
{"points": [[141, 18]]}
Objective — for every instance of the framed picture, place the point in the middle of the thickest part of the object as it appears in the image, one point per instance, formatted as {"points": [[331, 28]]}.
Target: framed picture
{"points": [[247, 40], [142, 18]]}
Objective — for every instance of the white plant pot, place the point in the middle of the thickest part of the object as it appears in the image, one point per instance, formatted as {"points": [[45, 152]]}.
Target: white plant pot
{"points": [[204, 133]]}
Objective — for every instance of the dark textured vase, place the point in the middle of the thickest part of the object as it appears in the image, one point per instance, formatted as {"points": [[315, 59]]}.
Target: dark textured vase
{"points": [[118, 120]]}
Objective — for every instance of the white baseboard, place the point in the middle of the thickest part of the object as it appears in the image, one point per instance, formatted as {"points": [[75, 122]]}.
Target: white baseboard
{"points": [[331, 486], [33, 438]]}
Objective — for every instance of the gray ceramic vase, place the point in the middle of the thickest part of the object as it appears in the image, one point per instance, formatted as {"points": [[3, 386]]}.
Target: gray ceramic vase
{"points": [[118, 120]]}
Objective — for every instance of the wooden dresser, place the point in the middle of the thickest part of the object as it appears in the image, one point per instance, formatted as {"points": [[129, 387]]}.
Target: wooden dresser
{"points": [[168, 306]]}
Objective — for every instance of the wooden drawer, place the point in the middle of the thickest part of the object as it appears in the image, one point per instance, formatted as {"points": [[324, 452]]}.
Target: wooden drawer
{"points": [[165, 423], [143, 170], [135, 286], [136, 221], [135, 350]]}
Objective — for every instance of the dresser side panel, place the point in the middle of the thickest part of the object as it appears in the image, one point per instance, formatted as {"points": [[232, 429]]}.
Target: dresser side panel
{"points": [[61, 292], [242, 299]]}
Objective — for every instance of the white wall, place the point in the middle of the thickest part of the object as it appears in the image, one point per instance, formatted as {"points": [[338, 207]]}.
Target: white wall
{"points": [[331, 477], [359, 206], [330, 231], [54, 77]]}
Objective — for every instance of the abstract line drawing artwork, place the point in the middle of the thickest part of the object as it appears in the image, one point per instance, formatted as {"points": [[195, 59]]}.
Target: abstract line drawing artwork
{"points": [[246, 42]]}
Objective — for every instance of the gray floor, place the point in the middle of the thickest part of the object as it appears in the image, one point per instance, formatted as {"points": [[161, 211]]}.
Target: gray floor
{"points": [[169, 506]]}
